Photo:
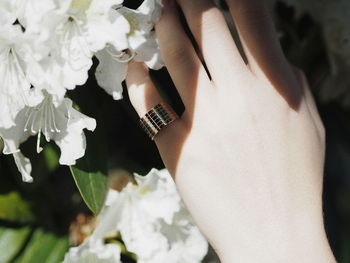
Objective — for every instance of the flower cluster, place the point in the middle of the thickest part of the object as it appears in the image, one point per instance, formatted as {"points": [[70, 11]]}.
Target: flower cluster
{"points": [[46, 48], [153, 222]]}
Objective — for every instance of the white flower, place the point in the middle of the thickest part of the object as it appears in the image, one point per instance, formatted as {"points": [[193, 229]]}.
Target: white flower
{"points": [[19, 70], [50, 50], [61, 123], [142, 47], [186, 242], [24, 166], [71, 138], [154, 186], [31, 12], [93, 252], [157, 185], [85, 28], [111, 71], [105, 25], [112, 68], [54, 77], [153, 221], [6, 11], [142, 39]]}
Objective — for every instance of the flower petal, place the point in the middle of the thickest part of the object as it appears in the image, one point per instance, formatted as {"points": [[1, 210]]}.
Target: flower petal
{"points": [[19, 70], [6, 11], [72, 141], [24, 166], [153, 221], [106, 25], [90, 252], [149, 52], [15, 135], [110, 73]]}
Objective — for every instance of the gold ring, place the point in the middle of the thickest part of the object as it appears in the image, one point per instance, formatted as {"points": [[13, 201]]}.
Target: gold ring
{"points": [[157, 118]]}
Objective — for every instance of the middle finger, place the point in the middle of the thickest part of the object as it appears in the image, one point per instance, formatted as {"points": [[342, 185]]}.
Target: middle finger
{"points": [[180, 58], [214, 38]]}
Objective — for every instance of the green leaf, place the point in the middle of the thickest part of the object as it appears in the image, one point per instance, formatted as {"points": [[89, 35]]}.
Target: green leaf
{"points": [[14, 208], [44, 247], [90, 172], [11, 242], [92, 187]]}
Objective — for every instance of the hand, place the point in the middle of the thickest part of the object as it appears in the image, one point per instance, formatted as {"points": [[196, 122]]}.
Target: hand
{"points": [[247, 155]]}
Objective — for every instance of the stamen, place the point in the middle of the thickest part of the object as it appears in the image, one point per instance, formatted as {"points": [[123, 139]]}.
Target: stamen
{"points": [[50, 119], [33, 122], [41, 116], [39, 149], [53, 118], [29, 117], [45, 123]]}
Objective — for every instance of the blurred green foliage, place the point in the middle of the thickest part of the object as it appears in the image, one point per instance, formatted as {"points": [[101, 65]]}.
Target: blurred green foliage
{"points": [[14, 208], [43, 247], [11, 242]]}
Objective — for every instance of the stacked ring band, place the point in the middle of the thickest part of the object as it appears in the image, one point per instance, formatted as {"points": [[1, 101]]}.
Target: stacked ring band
{"points": [[157, 118]]}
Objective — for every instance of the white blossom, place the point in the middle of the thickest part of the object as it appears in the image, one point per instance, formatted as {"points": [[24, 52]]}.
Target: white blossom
{"points": [[46, 48], [24, 166], [6, 11], [186, 242], [142, 47], [93, 252], [142, 38], [19, 70], [111, 71], [61, 123], [30, 13], [86, 28], [153, 221]]}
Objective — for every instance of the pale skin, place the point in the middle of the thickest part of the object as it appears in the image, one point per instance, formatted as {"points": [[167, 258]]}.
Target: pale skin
{"points": [[247, 155]]}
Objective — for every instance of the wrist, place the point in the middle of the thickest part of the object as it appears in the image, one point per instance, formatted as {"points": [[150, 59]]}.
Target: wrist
{"points": [[305, 247]]}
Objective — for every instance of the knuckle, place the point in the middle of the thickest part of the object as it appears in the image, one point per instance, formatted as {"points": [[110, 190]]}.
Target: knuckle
{"points": [[176, 53], [212, 15], [138, 93], [252, 7], [255, 15]]}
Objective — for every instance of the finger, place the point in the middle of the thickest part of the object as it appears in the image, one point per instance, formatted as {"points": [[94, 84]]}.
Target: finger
{"points": [[179, 56], [259, 38], [213, 37], [144, 96]]}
